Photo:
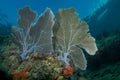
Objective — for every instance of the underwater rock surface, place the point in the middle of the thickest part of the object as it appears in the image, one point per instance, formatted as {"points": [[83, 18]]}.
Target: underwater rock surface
{"points": [[102, 66]]}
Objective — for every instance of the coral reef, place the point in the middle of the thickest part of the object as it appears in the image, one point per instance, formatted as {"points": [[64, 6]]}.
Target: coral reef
{"points": [[31, 55], [35, 66]]}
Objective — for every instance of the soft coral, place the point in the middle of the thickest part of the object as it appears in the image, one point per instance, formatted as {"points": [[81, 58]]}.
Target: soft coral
{"points": [[17, 75]]}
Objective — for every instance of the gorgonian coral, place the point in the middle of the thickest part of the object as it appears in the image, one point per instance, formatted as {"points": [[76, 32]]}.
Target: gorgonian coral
{"points": [[35, 37], [70, 34]]}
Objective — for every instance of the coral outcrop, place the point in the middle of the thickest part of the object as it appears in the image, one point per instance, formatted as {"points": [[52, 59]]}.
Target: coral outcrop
{"points": [[70, 35]]}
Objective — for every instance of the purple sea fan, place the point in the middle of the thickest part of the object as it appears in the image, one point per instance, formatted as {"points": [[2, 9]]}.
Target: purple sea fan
{"points": [[71, 34], [35, 37]]}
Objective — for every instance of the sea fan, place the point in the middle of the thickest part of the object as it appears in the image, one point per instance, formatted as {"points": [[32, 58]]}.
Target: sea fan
{"points": [[35, 37], [71, 33]]}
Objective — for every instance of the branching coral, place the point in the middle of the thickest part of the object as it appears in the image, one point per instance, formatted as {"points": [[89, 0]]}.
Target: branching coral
{"points": [[70, 34], [35, 37]]}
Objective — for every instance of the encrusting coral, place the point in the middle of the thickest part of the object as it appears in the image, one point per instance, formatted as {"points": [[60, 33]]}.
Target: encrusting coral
{"points": [[70, 34], [35, 37]]}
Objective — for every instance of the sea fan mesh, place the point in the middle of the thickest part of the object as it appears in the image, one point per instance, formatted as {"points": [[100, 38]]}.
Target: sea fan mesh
{"points": [[71, 32], [35, 37]]}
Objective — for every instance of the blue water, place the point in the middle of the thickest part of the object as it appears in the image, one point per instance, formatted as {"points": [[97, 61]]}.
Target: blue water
{"points": [[83, 7], [9, 9], [101, 15]]}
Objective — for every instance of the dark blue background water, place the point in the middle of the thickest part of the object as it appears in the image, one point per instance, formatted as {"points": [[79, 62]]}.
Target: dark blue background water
{"points": [[10, 7], [101, 15]]}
